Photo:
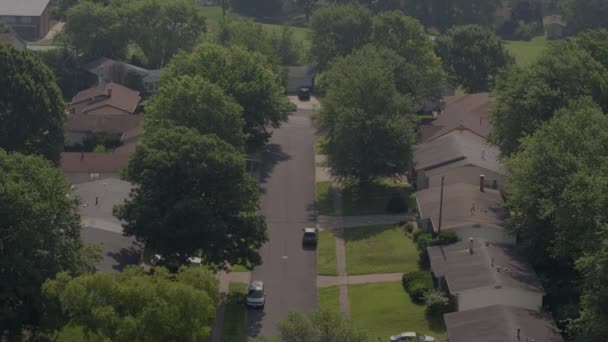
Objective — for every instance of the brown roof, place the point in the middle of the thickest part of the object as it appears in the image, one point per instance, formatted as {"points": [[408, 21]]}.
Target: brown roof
{"points": [[499, 323], [109, 94], [554, 19], [462, 204], [469, 111], [91, 162], [503, 11], [103, 123], [492, 265]]}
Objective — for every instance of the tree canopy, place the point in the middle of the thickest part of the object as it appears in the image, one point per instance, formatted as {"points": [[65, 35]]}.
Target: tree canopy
{"points": [[197, 103], [445, 14], [473, 56], [369, 134], [338, 30], [39, 235], [193, 196], [527, 97], [133, 306], [159, 28], [31, 105], [246, 76], [584, 15]]}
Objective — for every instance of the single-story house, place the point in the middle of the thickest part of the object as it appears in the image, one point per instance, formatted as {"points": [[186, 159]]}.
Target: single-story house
{"points": [[105, 99], [8, 36], [109, 70], [501, 16], [477, 274], [82, 167], [501, 323], [463, 205], [97, 200], [300, 77], [463, 114], [555, 25], [29, 18], [459, 159]]}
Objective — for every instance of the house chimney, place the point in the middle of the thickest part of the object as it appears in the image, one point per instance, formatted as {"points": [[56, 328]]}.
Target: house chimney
{"points": [[109, 92], [471, 241], [482, 179]]}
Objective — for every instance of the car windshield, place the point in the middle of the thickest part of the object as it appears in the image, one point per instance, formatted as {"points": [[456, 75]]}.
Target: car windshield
{"points": [[309, 234], [254, 293]]}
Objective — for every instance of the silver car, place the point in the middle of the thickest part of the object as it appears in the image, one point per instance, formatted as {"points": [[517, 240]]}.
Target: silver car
{"points": [[411, 336], [255, 294]]}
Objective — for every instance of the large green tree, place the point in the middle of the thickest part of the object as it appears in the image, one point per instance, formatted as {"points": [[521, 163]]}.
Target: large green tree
{"points": [[527, 97], [584, 15], [193, 195], [39, 236], [338, 30], [473, 56], [197, 103], [31, 105], [134, 306], [368, 130], [65, 64], [420, 73], [246, 76], [445, 14]]}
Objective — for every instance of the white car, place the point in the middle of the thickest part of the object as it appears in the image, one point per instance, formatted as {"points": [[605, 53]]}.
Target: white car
{"points": [[255, 296], [411, 336]]}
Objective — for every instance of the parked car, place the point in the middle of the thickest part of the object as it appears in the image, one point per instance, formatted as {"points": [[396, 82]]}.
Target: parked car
{"points": [[310, 237], [411, 336], [255, 295], [304, 94]]}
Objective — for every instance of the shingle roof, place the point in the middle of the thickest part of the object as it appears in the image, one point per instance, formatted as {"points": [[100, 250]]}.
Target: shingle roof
{"points": [[91, 162], [554, 19], [458, 150], [490, 265], [31, 8], [104, 123], [462, 204], [107, 63], [121, 97], [460, 112], [499, 323]]}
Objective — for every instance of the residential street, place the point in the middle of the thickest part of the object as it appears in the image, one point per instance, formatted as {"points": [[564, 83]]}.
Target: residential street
{"points": [[288, 271]]}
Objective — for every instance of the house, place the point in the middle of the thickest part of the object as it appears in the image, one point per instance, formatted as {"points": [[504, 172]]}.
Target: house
{"points": [[501, 16], [462, 114], [555, 25], [97, 200], [501, 323], [478, 273], [125, 127], [457, 158], [82, 167], [106, 70], [463, 205], [28, 18], [8, 36], [300, 77], [105, 99]]}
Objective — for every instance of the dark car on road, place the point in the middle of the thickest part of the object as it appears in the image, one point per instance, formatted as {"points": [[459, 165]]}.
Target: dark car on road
{"points": [[304, 94], [310, 237]]}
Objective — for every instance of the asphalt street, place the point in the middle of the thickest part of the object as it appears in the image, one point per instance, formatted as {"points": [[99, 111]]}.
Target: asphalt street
{"points": [[288, 270]]}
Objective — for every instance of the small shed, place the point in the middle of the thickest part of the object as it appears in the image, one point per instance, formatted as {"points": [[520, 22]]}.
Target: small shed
{"points": [[300, 77]]}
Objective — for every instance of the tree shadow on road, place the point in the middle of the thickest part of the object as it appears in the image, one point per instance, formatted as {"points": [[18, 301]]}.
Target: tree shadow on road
{"points": [[254, 323], [272, 154], [126, 257]]}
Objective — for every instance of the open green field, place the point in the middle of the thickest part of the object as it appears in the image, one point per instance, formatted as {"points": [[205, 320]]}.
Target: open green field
{"points": [[235, 314], [329, 298], [526, 52], [383, 249], [385, 309], [326, 254]]}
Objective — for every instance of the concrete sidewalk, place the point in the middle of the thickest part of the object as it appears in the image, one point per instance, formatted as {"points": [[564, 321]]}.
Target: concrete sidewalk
{"points": [[327, 281]]}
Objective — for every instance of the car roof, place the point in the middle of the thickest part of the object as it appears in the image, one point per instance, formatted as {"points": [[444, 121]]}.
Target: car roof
{"points": [[256, 285], [310, 230], [405, 334]]}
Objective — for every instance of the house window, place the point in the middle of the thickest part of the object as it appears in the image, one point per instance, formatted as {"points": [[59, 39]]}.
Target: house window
{"points": [[25, 20], [93, 176], [8, 20]]}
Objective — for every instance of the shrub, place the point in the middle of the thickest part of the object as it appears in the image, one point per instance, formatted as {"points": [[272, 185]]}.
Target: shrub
{"points": [[424, 240], [445, 237], [417, 284], [437, 303], [397, 204], [409, 227], [417, 234]]}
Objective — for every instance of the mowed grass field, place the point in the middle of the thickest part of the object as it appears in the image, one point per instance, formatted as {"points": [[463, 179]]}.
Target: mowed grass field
{"points": [[526, 52]]}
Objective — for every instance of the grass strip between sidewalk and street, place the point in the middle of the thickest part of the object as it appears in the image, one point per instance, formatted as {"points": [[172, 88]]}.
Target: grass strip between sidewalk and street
{"points": [[326, 254], [329, 298], [236, 313], [325, 198]]}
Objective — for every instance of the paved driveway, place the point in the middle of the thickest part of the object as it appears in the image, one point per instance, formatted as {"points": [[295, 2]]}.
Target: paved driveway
{"points": [[289, 271]]}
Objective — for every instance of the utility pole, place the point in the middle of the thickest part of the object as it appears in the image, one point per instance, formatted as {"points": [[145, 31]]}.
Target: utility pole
{"points": [[440, 205]]}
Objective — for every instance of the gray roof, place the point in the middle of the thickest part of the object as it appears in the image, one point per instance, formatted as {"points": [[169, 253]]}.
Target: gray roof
{"points": [[457, 150], [462, 204], [300, 76], [490, 265], [107, 63], [499, 323], [31, 8]]}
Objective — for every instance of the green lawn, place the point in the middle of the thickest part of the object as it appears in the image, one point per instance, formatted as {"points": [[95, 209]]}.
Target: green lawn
{"points": [[321, 145], [329, 298], [526, 52], [325, 198], [235, 314], [239, 268], [326, 254], [373, 199], [385, 309], [379, 250]]}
